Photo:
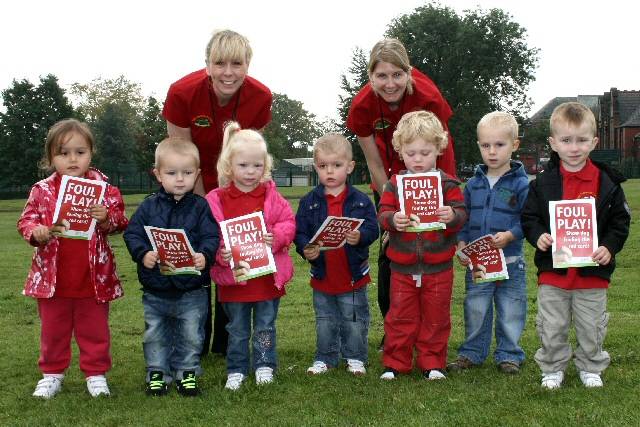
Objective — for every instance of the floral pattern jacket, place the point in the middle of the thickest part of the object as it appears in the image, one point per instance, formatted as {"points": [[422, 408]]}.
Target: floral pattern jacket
{"points": [[39, 210]]}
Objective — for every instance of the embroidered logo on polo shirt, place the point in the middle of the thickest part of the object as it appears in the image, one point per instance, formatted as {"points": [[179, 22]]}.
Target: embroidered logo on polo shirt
{"points": [[202, 121], [380, 124]]}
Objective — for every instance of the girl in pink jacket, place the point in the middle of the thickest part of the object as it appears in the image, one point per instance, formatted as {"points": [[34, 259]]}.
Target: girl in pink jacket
{"points": [[73, 280], [244, 174]]}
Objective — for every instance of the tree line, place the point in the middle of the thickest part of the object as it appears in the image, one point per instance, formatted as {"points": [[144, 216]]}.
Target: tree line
{"points": [[479, 59]]}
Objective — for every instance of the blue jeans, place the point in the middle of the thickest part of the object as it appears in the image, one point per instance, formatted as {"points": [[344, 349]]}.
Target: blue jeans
{"points": [[342, 326], [510, 299], [174, 333], [264, 315]]}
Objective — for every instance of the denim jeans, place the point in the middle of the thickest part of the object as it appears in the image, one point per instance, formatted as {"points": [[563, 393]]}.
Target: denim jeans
{"points": [[510, 299], [174, 333], [264, 315], [342, 326]]}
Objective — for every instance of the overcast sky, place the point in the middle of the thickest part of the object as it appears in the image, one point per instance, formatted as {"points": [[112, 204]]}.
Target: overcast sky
{"points": [[300, 47]]}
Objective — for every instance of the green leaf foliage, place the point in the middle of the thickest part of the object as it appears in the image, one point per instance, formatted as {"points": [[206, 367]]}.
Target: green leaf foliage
{"points": [[479, 59], [30, 110]]}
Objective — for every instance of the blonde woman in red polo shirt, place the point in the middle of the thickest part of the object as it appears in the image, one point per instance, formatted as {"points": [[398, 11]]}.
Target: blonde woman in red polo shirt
{"points": [[197, 107]]}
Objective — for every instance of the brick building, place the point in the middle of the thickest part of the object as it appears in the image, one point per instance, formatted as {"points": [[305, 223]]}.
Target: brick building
{"points": [[617, 114]]}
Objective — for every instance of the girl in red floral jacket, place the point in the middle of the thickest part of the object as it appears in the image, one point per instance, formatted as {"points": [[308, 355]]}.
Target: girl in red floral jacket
{"points": [[73, 280]]}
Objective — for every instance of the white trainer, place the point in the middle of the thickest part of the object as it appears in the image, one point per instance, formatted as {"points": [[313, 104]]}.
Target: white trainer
{"points": [[49, 386], [356, 367], [234, 381], [318, 367], [389, 374], [552, 380], [97, 386], [590, 379], [264, 375], [435, 374]]}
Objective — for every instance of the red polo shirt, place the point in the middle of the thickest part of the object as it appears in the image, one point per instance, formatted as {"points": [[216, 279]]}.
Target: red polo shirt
{"points": [[368, 115], [583, 184], [73, 279], [236, 203], [191, 103], [337, 279]]}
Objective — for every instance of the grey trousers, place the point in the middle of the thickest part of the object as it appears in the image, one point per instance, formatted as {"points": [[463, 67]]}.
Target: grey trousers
{"points": [[556, 308]]}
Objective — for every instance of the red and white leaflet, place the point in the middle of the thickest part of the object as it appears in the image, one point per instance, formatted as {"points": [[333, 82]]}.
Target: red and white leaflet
{"points": [[482, 252], [173, 247], [332, 234], [421, 194], [75, 197], [244, 237], [574, 231]]}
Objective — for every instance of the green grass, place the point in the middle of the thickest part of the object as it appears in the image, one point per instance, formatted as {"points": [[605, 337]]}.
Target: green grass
{"points": [[479, 397]]}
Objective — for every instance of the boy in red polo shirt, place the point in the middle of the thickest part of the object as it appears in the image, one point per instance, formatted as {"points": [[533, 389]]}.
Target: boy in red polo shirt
{"points": [[340, 292], [578, 294]]}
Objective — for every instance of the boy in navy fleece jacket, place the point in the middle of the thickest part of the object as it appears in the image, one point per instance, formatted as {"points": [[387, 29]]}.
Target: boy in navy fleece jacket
{"points": [[340, 292], [175, 306]]}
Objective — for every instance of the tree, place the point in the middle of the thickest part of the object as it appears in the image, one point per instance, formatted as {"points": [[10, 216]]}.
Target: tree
{"points": [[292, 129], [480, 61], [94, 97], [115, 109], [30, 112], [153, 130], [351, 83], [115, 140]]}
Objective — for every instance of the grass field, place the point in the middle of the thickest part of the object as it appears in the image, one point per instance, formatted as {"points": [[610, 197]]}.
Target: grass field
{"points": [[480, 397]]}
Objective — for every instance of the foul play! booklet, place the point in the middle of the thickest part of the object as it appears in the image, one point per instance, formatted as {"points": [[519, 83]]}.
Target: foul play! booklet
{"points": [[574, 231], [481, 252], [75, 197], [173, 247], [421, 194], [244, 237], [332, 234]]}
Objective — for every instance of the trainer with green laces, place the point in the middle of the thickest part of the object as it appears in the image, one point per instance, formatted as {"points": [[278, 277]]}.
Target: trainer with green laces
{"points": [[188, 384], [175, 305]]}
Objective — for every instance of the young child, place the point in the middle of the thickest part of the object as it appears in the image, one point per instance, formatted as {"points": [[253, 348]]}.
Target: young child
{"points": [[494, 198], [73, 280], [244, 174], [574, 294], [175, 306], [340, 292], [421, 263]]}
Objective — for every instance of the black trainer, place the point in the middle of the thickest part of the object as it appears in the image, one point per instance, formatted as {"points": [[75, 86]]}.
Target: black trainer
{"points": [[188, 385], [157, 386]]}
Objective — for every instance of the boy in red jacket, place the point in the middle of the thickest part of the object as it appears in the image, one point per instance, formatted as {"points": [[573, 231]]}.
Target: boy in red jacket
{"points": [[421, 262]]}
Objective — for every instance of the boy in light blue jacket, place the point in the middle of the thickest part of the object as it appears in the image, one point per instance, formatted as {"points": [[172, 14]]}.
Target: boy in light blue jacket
{"points": [[495, 197]]}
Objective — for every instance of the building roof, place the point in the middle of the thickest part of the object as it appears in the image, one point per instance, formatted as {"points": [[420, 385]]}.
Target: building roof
{"points": [[545, 112], [628, 104], [633, 120], [592, 102], [301, 161]]}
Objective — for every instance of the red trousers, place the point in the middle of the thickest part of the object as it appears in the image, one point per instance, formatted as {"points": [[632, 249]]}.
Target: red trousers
{"points": [[420, 318], [88, 320]]}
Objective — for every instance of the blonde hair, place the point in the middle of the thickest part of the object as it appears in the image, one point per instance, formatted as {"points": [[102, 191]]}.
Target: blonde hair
{"points": [[393, 52], [333, 143], [573, 113], [59, 134], [227, 45], [234, 138], [420, 124], [176, 145], [499, 119]]}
